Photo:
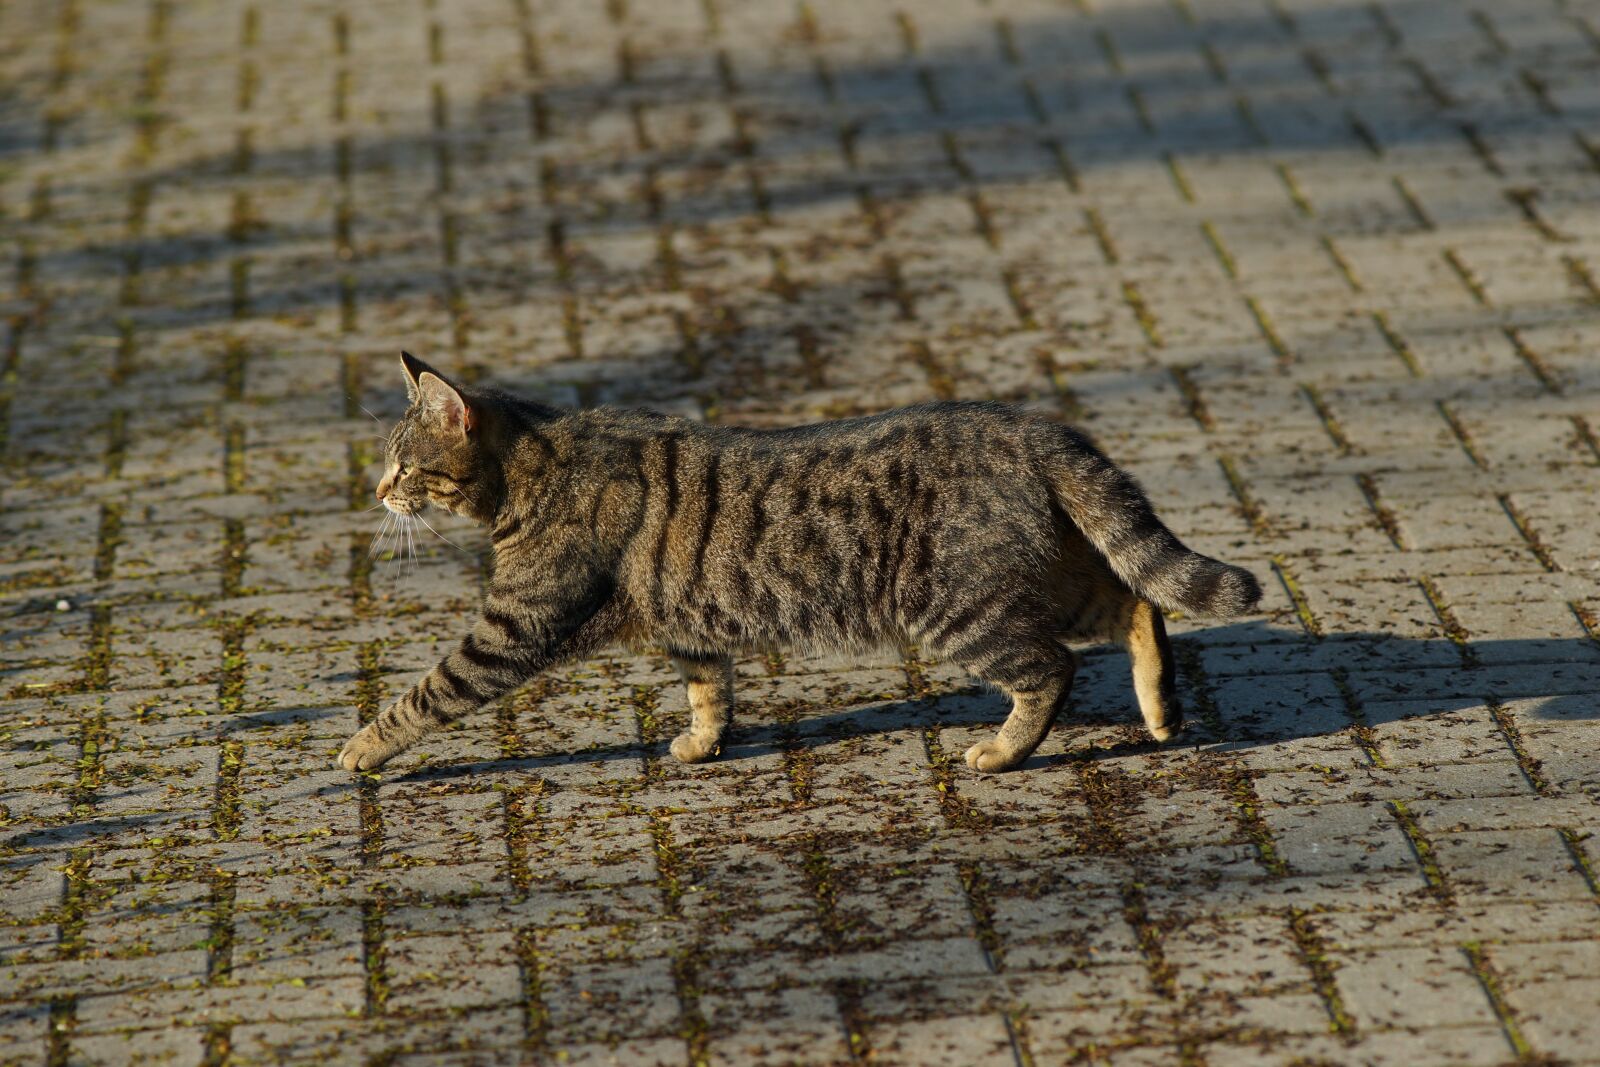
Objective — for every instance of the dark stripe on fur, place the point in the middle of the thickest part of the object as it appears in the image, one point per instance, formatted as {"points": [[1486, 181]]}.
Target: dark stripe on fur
{"points": [[712, 500]]}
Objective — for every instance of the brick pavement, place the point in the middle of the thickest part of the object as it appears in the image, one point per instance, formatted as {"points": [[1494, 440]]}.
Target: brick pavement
{"points": [[1326, 274]]}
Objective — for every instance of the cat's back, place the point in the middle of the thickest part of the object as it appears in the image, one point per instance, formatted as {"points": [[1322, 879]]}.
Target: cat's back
{"points": [[926, 425], [914, 435]]}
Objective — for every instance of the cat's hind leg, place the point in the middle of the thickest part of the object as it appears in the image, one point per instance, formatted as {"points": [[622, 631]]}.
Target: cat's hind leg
{"points": [[1143, 633], [1038, 680], [710, 683]]}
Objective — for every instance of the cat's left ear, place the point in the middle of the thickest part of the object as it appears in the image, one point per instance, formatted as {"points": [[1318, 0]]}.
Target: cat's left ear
{"points": [[414, 368], [441, 400]]}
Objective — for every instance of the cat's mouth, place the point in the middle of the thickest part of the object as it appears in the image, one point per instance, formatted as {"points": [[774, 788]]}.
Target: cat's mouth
{"points": [[398, 533]]}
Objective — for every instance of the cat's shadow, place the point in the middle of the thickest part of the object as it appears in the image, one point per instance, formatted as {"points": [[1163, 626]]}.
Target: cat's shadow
{"points": [[1244, 686], [1276, 690]]}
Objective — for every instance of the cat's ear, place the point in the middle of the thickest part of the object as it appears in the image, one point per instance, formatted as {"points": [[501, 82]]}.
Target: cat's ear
{"points": [[441, 400], [414, 368]]}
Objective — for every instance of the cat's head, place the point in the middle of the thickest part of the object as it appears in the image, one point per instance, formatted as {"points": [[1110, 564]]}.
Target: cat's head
{"points": [[434, 454]]}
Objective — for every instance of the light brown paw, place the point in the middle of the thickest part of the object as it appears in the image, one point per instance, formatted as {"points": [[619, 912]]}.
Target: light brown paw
{"points": [[1165, 733], [688, 748], [988, 756], [365, 751]]}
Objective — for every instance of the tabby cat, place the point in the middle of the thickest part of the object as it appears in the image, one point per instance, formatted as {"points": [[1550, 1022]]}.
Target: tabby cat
{"points": [[978, 532]]}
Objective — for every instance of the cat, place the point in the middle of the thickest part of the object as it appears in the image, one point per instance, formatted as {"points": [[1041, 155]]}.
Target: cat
{"points": [[980, 533]]}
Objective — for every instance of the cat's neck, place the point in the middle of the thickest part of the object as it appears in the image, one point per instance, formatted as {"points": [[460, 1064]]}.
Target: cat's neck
{"points": [[520, 457]]}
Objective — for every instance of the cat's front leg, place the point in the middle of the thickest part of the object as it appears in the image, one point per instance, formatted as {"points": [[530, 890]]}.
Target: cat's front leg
{"points": [[518, 635], [471, 676], [710, 683], [377, 742]]}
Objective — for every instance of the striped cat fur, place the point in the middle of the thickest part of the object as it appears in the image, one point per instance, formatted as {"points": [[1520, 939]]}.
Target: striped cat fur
{"points": [[979, 533]]}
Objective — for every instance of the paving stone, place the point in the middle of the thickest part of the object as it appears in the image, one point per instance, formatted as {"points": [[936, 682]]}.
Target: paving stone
{"points": [[1433, 986], [1064, 930], [1553, 1015], [1471, 1046], [445, 971], [146, 1047], [612, 1001], [981, 1039], [355, 1039], [1540, 963], [1332, 838], [1237, 957], [33, 887], [819, 1044], [296, 942], [663, 1051], [1495, 813], [1454, 925], [874, 904], [1510, 864], [191, 1006], [24, 1032], [1282, 1013], [1439, 782]]}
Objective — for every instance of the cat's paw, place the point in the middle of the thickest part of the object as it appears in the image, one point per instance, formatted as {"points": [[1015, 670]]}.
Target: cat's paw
{"points": [[365, 751], [990, 756], [688, 747]]}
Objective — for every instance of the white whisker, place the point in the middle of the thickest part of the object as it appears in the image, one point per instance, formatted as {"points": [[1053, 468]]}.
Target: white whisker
{"points": [[397, 544], [439, 535], [375, 418], [377, 538]]}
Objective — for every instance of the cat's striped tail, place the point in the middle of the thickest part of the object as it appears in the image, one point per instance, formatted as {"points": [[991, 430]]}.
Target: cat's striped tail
{"points": [[1111, 510]]}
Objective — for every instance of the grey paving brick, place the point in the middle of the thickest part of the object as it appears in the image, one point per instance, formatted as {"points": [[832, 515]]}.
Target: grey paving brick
{"points": [[1554, 1014], [1333, 838], [1433, 986], [1065, 930], [300, 942], [281, 999], [175, 1048], [612, 1001], [353, 1039], [24, 1030], [1273, 1016], [662, 1050], [1463, 1046], [452, 971], [981, 1039], [800, 1044], [1238, 957], [1511, 864]]}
